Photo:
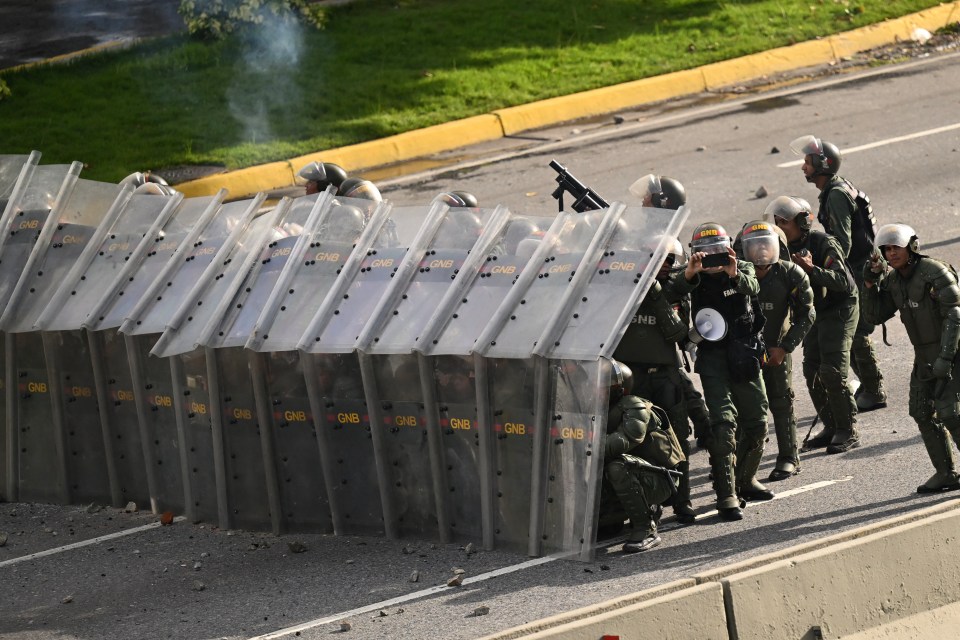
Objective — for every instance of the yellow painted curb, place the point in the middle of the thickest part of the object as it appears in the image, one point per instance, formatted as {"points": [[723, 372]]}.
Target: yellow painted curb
{"points": [[536, 115]]}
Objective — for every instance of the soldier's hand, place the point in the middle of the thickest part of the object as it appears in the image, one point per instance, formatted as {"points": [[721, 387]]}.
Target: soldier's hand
{"points": [[803, 259], [942, 368], [731, 268], [775, 356], [694, 266]]}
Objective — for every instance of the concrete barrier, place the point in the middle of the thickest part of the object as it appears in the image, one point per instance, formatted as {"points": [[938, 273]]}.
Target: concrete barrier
{"points": [[895, 578]]}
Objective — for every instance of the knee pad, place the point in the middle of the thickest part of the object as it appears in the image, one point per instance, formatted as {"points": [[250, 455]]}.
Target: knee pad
{"points": [[616, 473]]}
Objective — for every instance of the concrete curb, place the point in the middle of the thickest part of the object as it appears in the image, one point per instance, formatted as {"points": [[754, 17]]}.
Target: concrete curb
{"points": [[872, 576], [513, 120]]}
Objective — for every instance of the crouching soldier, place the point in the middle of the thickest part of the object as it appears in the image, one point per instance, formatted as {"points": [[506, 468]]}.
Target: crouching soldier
{"points": [[925, 292], [641, 454]]}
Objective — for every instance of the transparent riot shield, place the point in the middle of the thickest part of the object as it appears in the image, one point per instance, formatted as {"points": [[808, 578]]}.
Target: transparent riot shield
{"points": [[462, 315], [401, 444], [34, 199], [4, 436], [152, 256], [513, 329], [345, 442], [509, 421], [73, 394], [338, 243], [188, 438], [607, 291], [338, 322], [283, 404], [11, 167], [460, 241], [222, 287], [454, 385], [38, 461], [566, 484], [83, 218], [100, 266], [161, 305]]}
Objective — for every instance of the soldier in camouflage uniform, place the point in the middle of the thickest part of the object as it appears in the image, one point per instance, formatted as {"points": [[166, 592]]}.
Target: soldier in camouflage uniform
{"points": [[787, 303], [826, 348], [649, 348], [638, 436], [925, 293], [840, 217], [728, 363]]}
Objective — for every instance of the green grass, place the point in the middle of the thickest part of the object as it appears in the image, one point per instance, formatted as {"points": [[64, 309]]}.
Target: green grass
{"points": [[380, 68]]}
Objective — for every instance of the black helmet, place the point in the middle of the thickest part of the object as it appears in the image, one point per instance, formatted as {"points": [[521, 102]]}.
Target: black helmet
{"points": [[659, 191], [457, 199], [788, 208], [621, 381], [761, 242], [323, 174], [898, 235], [824, 156], [710, 237], [359, 188]]}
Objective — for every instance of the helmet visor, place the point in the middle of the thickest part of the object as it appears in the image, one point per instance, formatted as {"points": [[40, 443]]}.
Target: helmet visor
{"points": [[716, 244], [762, 249], [647, 187], [806, 145]]}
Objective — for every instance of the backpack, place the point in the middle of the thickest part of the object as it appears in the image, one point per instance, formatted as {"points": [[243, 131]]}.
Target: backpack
{"points": [[863, 227]]}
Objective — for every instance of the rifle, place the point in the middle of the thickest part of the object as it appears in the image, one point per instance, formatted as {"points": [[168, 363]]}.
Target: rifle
{"points": [[584, 198], [671, 474]]}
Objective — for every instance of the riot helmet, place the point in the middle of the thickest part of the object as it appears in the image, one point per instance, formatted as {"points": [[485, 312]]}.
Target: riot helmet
{"points": [[517, 230], [710, 237], [359, 188], [320, 175], [457, 199], [148, 183], [761, 243], [824, 156], [459, 230], [788, 208], [659, 191], [621, 381], [344, 225], [898, 235]]}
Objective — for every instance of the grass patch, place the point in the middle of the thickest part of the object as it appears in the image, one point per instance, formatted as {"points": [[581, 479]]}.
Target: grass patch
{"points": [[380, 67]]}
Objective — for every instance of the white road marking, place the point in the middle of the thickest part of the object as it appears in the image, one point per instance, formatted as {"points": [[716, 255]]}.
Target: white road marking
{"points": [[311, 624], [84, 543], [880, 143]]}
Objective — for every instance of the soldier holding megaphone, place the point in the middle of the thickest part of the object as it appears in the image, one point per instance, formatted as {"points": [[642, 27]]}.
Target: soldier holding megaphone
{"points": [[728, 324]]}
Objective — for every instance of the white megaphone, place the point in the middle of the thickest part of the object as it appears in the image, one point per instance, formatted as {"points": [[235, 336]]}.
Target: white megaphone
{"points": [[710, 325]]}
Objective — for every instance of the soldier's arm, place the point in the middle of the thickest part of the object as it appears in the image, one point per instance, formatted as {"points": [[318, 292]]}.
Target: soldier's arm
{"points": [[801, 306], [630, 433], [746, 280], [671, 325], [876, 302], [840, 211], [947, 292], [831, 274]]}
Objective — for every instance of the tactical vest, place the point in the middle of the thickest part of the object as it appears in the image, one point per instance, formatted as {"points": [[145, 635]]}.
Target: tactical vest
{"points": [[720, 293], [863, 225], [776, 289], [916, 298], [643, 341]]}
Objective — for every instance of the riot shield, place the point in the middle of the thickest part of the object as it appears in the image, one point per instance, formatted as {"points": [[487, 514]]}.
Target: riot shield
{"points": [[101, 264], [337, 324], [463, 314], [515, 326], [345, 442], [339, 241], [38, 463], [10, 169], [429, 271], [160, 304], [607, 291], [283, 245], [36, 195], [152, 256], [510, 423], [218, 289], [285, 408], [401, 443], [567, 487], [82, 219]]}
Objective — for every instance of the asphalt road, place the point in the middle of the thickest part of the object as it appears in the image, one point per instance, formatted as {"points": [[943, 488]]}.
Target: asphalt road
{"points": [[900, 130]]}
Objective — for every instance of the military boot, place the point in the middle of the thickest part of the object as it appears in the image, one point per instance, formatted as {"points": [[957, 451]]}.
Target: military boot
{"points": [[821, 440], [788, 459], [844, 440], [682, 507], [941, 455], [784, 469], [868, 400], [748, 487], [728, 505]]}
